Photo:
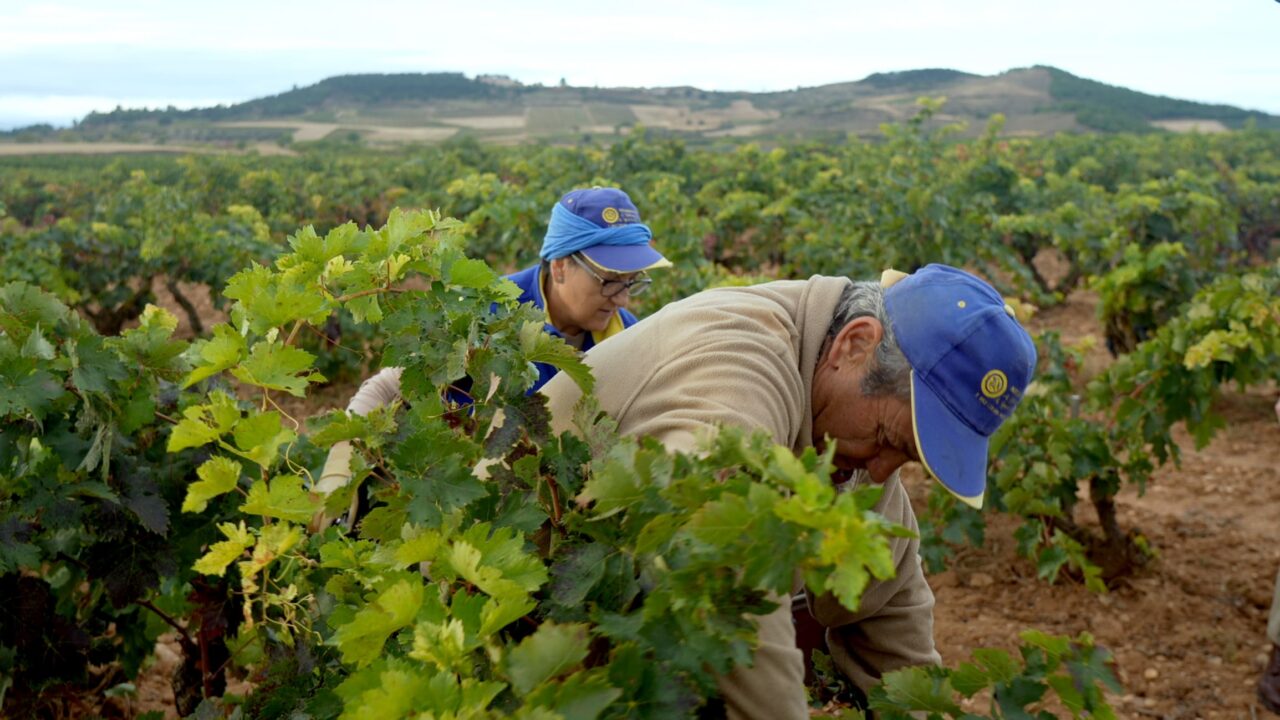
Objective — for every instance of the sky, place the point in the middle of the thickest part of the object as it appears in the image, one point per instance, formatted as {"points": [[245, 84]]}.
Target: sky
{"points": [[61, 59]]}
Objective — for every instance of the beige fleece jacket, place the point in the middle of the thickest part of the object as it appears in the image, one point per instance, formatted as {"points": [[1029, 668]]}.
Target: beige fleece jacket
{"points": [[383, 388], [746, 357]]}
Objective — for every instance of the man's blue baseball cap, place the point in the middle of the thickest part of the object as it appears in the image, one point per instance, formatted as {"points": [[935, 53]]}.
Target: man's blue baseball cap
{"points": [[603, 225], [971, 362]]}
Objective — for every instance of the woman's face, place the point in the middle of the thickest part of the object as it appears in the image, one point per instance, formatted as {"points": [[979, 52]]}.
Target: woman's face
{"points": [[576, 303]]}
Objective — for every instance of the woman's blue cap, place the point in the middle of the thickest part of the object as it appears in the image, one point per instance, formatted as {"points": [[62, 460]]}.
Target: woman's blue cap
{"points": [[604, 225], [971, 362]]}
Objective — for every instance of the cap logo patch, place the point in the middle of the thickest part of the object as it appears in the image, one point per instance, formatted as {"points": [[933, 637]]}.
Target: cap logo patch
{"points": [[994, 384], [609, 215]]}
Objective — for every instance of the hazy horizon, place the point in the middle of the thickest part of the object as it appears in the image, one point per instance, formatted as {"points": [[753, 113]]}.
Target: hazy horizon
{"points": [[61, 60]]}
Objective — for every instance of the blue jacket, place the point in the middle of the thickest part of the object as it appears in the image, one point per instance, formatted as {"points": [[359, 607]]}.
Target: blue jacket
{"points": [[530, 282]]}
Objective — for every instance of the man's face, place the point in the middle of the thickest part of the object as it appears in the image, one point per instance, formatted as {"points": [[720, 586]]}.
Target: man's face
{"points": [[872, 433]]}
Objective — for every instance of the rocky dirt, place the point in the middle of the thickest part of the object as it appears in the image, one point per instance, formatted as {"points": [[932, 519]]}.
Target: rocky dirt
{"points": [[1188, 630]]}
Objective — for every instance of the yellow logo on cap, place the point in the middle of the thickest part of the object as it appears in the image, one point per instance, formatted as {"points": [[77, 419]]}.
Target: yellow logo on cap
{"points": [[994, 384], [609, 215]]}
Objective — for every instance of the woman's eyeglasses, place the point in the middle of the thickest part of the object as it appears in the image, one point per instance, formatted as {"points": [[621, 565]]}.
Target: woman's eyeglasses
{"points": [[609, 288]]}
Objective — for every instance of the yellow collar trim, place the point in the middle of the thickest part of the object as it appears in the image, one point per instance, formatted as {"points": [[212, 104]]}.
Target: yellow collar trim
{"points": [[614, 327]]}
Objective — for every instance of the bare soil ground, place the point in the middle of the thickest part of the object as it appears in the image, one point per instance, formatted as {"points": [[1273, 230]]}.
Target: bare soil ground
{"points": [[303, 131], [739, 131], [388, 134], [1187, 631], [201, 301], [681, 118], [489, 122], [272, 149], [309, 131]]}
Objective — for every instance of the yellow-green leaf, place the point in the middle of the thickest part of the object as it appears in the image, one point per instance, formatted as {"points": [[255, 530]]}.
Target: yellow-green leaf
{"points": [[222, 554], [218, 475], [283, 498]]}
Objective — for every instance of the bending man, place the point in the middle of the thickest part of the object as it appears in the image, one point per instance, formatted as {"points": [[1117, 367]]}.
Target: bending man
{"points": [[919, 367]]}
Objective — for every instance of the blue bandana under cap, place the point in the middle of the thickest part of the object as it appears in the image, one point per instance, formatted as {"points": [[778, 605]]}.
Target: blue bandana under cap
{"points": [[596, 219], [569, 233]]}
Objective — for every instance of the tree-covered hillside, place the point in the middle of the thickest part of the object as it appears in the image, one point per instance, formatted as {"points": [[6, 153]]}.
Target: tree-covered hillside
{"points": [[1116, 109], [375, 109]]}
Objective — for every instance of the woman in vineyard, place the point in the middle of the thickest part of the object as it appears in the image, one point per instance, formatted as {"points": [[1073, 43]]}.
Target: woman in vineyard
{"points": [[595, 257]]}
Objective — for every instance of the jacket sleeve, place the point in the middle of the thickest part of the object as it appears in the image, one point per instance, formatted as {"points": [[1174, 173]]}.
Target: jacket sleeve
{"points": [[380, 390], [729, 382], [689, 396], [893, 625], [773, 687], [724, 382]]}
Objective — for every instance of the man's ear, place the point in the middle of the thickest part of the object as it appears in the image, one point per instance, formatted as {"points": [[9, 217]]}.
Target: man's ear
{"points": [[856, 342]]}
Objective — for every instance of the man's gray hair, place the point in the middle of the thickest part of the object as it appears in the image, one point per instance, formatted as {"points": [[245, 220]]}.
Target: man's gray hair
{"points": [[891, 373]]}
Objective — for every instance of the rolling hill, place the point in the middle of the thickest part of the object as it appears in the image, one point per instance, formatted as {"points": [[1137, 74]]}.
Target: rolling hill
{"points": [[431, 107]]}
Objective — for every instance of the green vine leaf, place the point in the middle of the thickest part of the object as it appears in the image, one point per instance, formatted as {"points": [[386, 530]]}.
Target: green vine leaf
{"points": [[282, 498], [218, 476], [222, 554], [553, 650]]}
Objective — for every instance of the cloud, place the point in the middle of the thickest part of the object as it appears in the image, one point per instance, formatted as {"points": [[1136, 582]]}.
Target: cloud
{"points": [[130, 50]]}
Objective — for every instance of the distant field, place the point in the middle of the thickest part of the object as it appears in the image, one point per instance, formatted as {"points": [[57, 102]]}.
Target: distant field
{"points": [[305, 131], [1041, 124], [610, 115], [271, 149], [447, 110], [1191, 125], [557, 119], [378, 133], [489, 122], [739, 111], [406, 116], [310, 132], [97, 148], [115, 148], [739, 131], [662, 116], [682, 118]]}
